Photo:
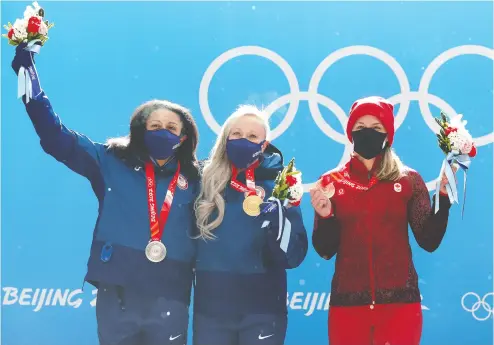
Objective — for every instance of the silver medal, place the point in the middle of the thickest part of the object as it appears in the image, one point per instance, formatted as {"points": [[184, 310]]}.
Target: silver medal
{"points": [[155, 251]]}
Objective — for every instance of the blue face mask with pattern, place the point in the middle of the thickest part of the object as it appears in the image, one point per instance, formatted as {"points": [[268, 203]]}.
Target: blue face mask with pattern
{"points": [[242, 152], [161, 143]]}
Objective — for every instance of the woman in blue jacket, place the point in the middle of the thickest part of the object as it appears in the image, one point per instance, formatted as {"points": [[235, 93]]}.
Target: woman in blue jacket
{"points": [[142, 253], [241, 287]]}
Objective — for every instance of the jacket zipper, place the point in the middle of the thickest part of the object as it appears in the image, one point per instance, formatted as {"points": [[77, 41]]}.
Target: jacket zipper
{"points": [[371, 266]]}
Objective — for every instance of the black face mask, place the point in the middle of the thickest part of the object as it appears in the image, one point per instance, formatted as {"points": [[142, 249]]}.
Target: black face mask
{"points": [[368, 142]]}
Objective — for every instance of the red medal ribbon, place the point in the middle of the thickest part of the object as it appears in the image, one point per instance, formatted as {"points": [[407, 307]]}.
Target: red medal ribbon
{"points": [[338, 177], [250, 186], [158, 225]]}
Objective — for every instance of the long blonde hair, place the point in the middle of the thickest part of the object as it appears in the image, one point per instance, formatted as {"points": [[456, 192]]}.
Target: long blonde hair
{"points": [[391, 168], [217, 173]]}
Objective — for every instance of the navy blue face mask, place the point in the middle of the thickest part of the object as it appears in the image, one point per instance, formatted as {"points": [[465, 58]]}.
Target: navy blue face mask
{"points": [[161, 143], [242, 152]]}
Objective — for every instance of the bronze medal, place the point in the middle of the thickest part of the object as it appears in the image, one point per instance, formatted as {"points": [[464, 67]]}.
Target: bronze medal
{"points": [[328, 190]]}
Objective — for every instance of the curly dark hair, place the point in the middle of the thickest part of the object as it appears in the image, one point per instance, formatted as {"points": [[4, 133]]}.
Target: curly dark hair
{"points": [[133, 144]]}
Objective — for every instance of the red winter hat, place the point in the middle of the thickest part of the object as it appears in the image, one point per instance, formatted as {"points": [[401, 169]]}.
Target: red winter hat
{"points": [[375, 106]]}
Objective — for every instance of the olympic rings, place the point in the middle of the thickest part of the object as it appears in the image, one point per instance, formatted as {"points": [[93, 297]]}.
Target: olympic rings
{"points": [[427, 78], [294, 97], [349, 51], [249, 50], [478, 304]]}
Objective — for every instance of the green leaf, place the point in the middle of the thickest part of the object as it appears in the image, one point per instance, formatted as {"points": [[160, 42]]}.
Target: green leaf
{"points": [[444, 117], [277, 178]]}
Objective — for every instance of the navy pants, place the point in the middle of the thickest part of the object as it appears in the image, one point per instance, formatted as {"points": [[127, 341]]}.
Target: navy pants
{"points": [[254, 329], [129, 318]]}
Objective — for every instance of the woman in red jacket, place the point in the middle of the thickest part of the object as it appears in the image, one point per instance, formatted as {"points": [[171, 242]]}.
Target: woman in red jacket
{"points": [[363, 210]]}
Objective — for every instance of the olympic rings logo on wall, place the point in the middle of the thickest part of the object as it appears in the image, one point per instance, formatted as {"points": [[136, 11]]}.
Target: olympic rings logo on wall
{"points": [[314, 98], [475, 308]]}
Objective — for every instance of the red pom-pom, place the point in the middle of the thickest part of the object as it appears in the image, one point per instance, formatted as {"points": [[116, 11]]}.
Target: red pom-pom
{"points": [[291, 181], [473, 152]]}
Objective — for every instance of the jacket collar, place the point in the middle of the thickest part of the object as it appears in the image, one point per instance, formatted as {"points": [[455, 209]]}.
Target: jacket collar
{"points": [[168, 169], [271, 163], [358, 171]]}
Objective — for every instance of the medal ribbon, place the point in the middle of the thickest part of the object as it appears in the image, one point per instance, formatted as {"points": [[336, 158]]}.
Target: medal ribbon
{"points": [[250, 186], [158, 225], [338, 177]]}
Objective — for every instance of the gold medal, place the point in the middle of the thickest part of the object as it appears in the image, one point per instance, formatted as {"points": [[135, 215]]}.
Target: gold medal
{"points": [[251, 205]]}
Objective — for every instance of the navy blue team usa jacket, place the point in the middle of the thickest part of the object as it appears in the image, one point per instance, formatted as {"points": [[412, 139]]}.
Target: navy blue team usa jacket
{"points": [[243, 270], [122, 229]]}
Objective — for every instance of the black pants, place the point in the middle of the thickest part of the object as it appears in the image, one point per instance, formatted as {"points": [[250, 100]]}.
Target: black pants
{"points": [[129, 318]]}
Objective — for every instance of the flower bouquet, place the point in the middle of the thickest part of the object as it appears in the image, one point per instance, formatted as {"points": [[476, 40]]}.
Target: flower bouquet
{"points": [[29, 33], [287, 192], [288, 186], [458, 146]]}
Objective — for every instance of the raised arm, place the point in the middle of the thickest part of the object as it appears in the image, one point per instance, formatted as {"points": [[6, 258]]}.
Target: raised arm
{"points": [[72, 149], [326, 231], [428, 227]]}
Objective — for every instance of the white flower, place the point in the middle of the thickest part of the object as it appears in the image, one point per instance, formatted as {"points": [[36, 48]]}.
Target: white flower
{"points": [[298, 177], [460, 142], [32, 11], [29, 12], [460, 125], [454, 138], [296, 192], [43, 29], [466, 147], [20, 29]]}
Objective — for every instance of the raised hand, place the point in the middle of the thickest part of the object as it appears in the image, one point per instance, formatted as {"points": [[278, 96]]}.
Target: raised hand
{"points": [[320, 202]]}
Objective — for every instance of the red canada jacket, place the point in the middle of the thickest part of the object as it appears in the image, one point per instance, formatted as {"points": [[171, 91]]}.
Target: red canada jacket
{"points": [[368, 232]]}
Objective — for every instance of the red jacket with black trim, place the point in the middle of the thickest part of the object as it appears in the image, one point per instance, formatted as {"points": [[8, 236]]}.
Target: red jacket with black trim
{"points": [[368, 233]]}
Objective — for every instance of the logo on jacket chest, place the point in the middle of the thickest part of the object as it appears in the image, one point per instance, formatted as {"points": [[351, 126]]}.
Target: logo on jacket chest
{"points": [[397, 187], [259, 191], [182, 182]]}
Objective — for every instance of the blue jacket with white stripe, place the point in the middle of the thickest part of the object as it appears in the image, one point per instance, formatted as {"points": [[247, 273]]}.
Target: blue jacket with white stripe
{"points": [[243, 270], [122, 230]]}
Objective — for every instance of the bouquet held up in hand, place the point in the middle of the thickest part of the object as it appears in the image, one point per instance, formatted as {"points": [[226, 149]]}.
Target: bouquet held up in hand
{"points": [[288, 186], [458, 146], [287, 192], [28, 35]]}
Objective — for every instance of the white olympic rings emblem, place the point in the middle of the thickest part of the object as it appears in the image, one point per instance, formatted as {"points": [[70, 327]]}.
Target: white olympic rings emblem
{"points": [[479, 303], [314, 98]]}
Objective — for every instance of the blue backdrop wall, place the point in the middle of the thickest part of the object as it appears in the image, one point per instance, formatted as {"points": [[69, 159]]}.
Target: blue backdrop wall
{"points": [[307, 62]]}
